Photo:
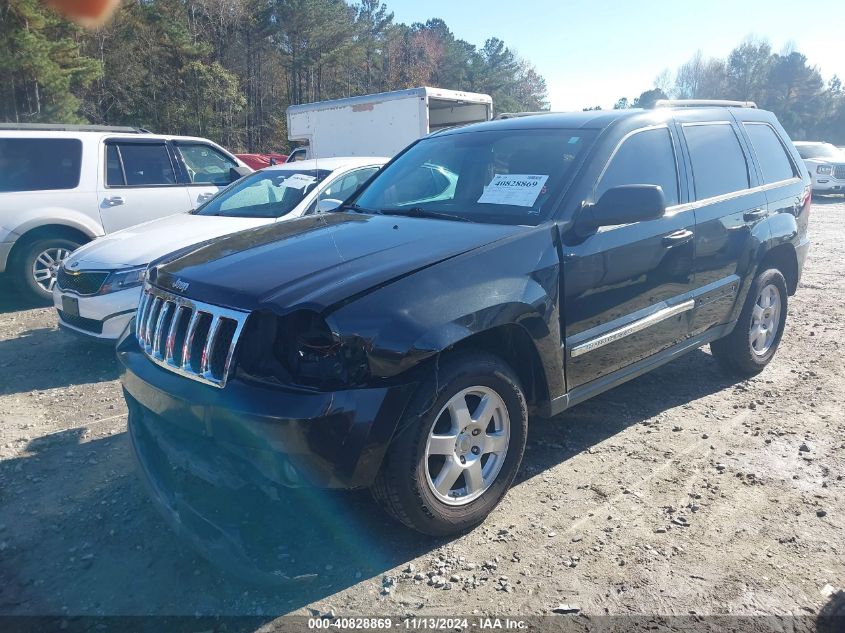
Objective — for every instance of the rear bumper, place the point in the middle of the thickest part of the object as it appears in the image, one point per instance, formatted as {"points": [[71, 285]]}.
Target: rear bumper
{"points": [[5, 249]]}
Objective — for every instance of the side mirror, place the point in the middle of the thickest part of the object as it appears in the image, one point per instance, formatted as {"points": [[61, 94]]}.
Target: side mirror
{"points": [[328, 204], [238, 172], [625, 204]]}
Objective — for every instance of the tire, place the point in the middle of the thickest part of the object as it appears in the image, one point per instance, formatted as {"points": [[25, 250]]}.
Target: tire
{"points": [[405, 485], [737, 352], [53, 248]]}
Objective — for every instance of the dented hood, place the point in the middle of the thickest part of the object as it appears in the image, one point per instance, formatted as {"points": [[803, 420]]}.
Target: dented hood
{"points": [[317, 261]]}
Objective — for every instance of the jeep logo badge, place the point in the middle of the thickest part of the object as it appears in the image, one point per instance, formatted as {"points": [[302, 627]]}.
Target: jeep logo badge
{"points": [[180, 285]]}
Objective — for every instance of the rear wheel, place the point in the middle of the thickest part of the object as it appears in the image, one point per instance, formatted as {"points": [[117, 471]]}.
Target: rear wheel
{"points": [[458, 447], [755, 339], [36, 266]]}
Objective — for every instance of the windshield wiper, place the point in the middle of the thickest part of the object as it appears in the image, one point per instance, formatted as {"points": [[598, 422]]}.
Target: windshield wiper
{"points": [[419, 212], [358, 209]]}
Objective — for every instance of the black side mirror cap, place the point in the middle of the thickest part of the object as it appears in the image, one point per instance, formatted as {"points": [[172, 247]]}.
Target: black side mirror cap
{"points": [[238, 172], [624, 204]]}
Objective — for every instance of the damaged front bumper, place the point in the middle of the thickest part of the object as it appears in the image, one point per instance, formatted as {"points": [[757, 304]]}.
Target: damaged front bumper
{"points": [[212, 458]]}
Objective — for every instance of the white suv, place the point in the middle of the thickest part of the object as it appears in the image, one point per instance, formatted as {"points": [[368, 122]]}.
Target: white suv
{"points": [[62, 186]]}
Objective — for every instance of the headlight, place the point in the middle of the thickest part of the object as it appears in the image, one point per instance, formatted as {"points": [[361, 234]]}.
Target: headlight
{"points": [[824, 170], [301, 349], [123, 279]]}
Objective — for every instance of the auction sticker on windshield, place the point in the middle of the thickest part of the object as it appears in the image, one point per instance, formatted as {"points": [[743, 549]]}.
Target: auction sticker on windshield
{"points": [[520, 190], [299, 181]]}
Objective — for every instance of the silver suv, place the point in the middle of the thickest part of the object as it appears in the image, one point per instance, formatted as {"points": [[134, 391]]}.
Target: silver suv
{"points": [[61, 186]]}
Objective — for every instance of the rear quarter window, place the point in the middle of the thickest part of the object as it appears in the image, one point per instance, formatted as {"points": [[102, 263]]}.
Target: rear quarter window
{"points": [[770, 152], [39, 164], [718, 162]]}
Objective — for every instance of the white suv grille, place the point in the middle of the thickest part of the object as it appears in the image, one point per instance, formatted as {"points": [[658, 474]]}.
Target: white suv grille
{"points": [[193, 339]]}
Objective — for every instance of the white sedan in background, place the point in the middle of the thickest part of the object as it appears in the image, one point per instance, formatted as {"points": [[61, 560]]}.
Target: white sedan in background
{"points": [[98, 286], [826, 164]]}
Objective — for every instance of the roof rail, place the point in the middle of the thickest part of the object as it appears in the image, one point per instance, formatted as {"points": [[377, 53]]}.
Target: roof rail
{"points": [[703, 103], [62, 127]]}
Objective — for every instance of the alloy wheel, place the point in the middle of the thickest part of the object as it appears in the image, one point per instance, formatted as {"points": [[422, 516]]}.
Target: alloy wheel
{"points": [[46, 266], [765, 320], [467, 445]]}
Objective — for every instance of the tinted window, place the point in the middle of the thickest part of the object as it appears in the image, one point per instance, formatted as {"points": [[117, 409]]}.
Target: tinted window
{"points": [[646, 158], [114, 170], [205, 164], [146, 164], [269, 193], [509, 176], [718, 164], [770, 153], [38, 164]]}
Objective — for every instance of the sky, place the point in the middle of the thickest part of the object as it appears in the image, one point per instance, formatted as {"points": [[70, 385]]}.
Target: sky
{"points": [[592, 53]]}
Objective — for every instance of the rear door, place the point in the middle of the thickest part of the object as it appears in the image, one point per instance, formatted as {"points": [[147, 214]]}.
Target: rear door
{"points": [[205, 169], [138, 183], [627, 287], [730, 208], [778, 172]]}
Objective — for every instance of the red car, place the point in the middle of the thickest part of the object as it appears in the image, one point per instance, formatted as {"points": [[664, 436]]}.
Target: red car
{"points": [[259, 161]]}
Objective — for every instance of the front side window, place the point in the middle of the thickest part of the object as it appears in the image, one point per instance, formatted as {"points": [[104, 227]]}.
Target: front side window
{"points": [[718, 162], [39, 164], [645, 158], [269, 193], [773, 159], [344, 186], [139, 165], [205, 164], [496, 176]]}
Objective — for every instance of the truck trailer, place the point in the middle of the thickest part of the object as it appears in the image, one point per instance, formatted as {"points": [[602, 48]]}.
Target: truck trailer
{"points": [[382, 124]]}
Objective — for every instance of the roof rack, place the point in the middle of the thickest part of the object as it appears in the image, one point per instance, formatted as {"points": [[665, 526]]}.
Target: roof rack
{"points": [[703, 103], [62, 127], [514, 115]]}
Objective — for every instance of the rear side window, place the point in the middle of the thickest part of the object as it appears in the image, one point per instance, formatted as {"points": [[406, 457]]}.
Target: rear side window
{"points": [[773, 159], [646, 158], [718, 163], [39, 164], [138, 164]]}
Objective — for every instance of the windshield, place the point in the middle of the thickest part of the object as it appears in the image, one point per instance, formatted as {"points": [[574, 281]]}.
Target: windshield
{"points": [[270, 193], [496, 176], [821, 150]]}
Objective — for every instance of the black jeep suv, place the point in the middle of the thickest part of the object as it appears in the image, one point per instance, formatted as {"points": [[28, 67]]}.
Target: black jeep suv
{"points": [[487, 274]]}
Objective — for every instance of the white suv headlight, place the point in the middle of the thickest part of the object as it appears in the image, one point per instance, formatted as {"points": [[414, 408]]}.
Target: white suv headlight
{"points": [[824, 170]]}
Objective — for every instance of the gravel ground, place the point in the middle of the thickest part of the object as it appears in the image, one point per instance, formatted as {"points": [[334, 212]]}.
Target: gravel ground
{"points": [[681, 492]]}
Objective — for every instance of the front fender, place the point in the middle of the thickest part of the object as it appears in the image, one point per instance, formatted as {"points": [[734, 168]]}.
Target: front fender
{"points": [[514, 281]]}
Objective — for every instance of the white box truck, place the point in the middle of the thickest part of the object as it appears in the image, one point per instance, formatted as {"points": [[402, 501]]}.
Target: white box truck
{"points": [[381, 124]]}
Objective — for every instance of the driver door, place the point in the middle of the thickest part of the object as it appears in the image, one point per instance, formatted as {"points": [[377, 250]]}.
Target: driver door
{"points": [[627, 288]]}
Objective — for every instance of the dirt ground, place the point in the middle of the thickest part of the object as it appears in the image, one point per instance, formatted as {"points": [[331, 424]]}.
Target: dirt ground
{"points": [[684, 491]]}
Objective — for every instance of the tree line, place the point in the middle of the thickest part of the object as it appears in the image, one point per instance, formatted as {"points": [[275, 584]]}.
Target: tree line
{"points": [[784, 82], [228, 69]]}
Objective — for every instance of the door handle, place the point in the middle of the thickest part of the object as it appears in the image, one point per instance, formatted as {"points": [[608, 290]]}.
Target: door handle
{"points": [[755, 214], [678, 237], [113, 201], [203, 197]]}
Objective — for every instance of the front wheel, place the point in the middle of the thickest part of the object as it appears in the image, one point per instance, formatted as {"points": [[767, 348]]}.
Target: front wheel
{"points": [[458, 447], [755, 339]]}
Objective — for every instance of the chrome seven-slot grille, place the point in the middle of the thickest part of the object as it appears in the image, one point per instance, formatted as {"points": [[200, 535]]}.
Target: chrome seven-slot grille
{"points": [[193, 339], [839, 172]]}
